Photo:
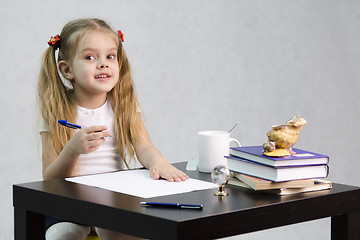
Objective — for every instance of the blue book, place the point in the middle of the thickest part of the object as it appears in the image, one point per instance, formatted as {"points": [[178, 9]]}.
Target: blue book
{"points": [[301, 158], [276, 174]]}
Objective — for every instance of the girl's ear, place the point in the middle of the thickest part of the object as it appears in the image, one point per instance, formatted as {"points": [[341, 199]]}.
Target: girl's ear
{"points": [[65, 70]]}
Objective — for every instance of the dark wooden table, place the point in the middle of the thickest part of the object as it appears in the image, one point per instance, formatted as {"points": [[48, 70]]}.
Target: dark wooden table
{"points": [[243, 211]]}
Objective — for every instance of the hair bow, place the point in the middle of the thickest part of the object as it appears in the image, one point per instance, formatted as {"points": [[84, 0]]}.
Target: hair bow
{"points": [[121, 35], [54, 41]]}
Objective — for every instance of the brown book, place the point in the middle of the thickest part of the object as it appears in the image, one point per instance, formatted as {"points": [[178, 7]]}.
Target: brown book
{"points": [[261, 184], [319, 184]]}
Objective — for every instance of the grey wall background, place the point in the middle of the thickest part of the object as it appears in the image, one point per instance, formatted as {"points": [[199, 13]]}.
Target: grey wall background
{"points": [[201, 65]]}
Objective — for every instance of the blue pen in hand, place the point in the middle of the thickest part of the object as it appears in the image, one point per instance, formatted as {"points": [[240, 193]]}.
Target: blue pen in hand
{"points": [[69, 124], [72, 125]]}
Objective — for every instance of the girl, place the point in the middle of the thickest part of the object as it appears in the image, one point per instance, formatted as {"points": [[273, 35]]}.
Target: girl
{"points": [[101, 97]]}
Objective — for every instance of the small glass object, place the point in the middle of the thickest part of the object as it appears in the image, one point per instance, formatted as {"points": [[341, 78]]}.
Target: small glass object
{"points": [[221, 175]]}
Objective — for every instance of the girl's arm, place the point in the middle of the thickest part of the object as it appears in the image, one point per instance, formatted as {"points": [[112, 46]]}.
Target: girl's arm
{"points": [[53, 165], [150, 157], [61, 166]]}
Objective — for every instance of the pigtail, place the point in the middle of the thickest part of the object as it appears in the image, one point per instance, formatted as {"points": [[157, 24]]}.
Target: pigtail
{"points": [[125, 109], [56, 101]]}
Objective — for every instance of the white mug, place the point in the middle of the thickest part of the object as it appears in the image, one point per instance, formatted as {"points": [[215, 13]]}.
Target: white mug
{"points": [[213, 147]]}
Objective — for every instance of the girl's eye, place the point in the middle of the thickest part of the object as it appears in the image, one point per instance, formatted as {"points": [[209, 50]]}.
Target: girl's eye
{"points": [[112, 56], [90, 57]]}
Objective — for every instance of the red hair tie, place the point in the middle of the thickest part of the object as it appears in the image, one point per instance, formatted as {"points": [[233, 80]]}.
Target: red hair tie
{"points": [[121, 35], [54, 41]]}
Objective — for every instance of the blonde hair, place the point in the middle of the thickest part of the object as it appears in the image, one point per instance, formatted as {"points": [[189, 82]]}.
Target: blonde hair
{"points": [[58, 101]]}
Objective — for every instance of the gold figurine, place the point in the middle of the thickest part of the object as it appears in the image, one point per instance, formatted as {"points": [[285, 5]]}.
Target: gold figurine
{"points": [[283, 137]]}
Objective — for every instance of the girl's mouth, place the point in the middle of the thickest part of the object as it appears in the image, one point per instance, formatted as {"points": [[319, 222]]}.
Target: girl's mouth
{"points": [[102, 76]]}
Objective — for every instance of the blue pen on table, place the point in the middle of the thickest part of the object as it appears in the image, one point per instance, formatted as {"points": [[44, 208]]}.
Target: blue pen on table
{"points": [[71, 125], [171, 205]]}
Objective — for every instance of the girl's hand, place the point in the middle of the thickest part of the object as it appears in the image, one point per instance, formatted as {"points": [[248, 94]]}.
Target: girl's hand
{"points": [[151, 158], [168, 172], [88, 139]]}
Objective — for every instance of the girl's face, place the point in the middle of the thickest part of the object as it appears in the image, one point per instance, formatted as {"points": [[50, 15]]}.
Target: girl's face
{"points": [[95, 69]]}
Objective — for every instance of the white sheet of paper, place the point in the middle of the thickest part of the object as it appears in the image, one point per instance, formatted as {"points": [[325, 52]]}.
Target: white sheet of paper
{"points": [[139, 183]]}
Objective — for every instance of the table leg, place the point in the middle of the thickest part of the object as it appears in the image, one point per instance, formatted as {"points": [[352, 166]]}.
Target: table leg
{"points": [[28, 225], [345, 227]]}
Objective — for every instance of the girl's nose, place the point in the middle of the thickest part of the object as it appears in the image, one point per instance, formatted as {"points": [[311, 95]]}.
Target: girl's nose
{"points": [[103, 65]]}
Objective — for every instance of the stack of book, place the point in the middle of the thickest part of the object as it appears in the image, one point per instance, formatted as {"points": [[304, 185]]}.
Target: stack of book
{"points": [[297, 173]]}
